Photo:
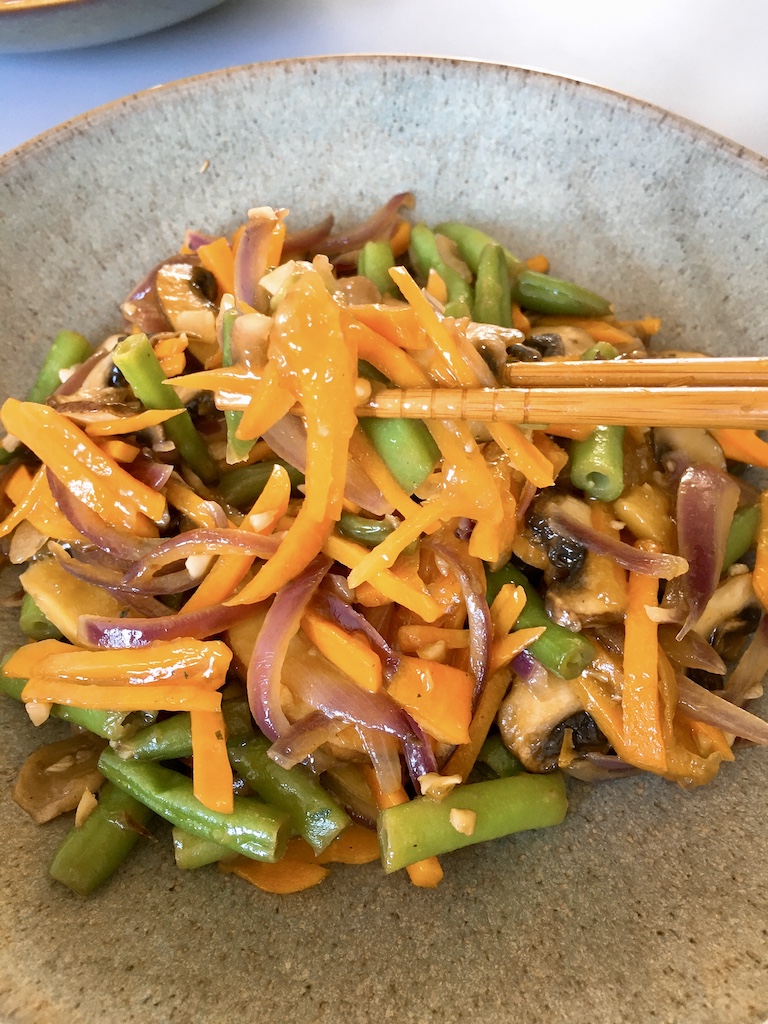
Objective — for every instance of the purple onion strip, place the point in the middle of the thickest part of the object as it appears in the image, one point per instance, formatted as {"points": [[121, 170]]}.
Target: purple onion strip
{"points": [[376, 227], [97, 631], [645, 562], [251, 262], [712, 708], [308, 239], [353, 621], [749, 673], [203, 542], [302, 739]]}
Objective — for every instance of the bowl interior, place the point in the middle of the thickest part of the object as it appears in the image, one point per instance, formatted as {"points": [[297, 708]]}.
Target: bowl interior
{"points": [[649, 903]]}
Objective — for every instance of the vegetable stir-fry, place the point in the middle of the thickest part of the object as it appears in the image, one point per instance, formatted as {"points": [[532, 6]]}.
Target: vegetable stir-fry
{"points": [[304, 635]]}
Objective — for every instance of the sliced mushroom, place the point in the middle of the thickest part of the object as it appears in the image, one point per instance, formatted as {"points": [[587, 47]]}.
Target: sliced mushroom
{"points": [[734, 595], [533, 719], [185, 294], [695, 443], [54, 777]]}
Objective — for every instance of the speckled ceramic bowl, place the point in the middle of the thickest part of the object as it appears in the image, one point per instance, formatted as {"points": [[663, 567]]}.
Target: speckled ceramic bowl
{"points": [[649, 905], [32, 25]]}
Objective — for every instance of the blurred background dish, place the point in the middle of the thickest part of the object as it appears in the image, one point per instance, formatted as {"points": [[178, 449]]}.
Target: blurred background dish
{"points": [[648, 903], [33, 25]]}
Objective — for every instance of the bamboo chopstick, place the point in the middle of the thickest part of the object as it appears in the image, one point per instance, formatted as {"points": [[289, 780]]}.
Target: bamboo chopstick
{"points": [[727, 371], [628, 406]]}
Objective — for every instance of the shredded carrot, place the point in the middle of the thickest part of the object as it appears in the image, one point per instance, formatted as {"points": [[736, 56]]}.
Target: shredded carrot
{"points": [[211, 770], [760, 574], [709, 739], [397, 324], [523, 454], [384, 555], [648, 325], [556, 455], [348, 651], [506, 608], [369, 460], [34, 503], [508, 647], [218, 259], [25, 660], [355, 845], [181, 496], [285, 876], [119, 450], [571, 431], [539, 263], [412, 638], [123, 698], [463, 758], [743, 446], [269, 402], [439, 697], [130, 424], [436, 286], [520, 321], [600, 330], [388, 358], [400, 238]]}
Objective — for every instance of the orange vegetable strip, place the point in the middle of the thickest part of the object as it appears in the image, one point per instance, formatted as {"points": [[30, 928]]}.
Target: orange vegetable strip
{"points": [[429, 321], [646, 325], [395, 363], [709, 736], [218, 259], [81, 465], [229, 570], [369, 460], [539, 263], [506, 608], [42, 511], [436, 286], [235, 379], [553, 452], [386, 582], [130, 424], [743, 446], [384, 555], [508, 647], [189, 503], [425, 874], [520, 321], [268, 403], [600, 330], [211, 770], [355, 845], [472, 483], [413, 638], [572, 431], [119, 450], [348, 651], [282, 878], [523, 454], [24, 661], [170, 346], [668, 697], [462, 761], [27, 501], [598, 701], [400, 238], [122, 698], [640, 699], [173, 365], [397, 324], [760, 574], [439, 697]]}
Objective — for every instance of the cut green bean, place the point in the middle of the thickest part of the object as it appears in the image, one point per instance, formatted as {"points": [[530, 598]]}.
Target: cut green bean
{"points": [[422, 827], [601, 350], [68, 349], [425, 256], [565, 653], [374, 262], [191, 852], [493, 303], [240, 487], [237, 450], [253, 828], [597, 463], [34, 624], [406, 447], [498, 758], [172, 738], [91, 854], [742, 533], [136, 360], [471, 241], [369, 532], [314, 814]]}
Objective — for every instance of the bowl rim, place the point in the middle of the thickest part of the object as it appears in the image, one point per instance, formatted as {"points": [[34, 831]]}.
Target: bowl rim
{"points": [[95, 115]]}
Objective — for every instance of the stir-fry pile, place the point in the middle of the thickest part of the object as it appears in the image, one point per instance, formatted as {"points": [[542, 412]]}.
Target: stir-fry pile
{"points": [[286, 626]]}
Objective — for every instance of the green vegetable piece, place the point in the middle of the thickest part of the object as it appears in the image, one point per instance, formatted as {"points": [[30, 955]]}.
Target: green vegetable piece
{"points": [[493, 303], [237, 450], [191, 852], [253, 829], [240, 487], [558, 649], [91, 854], [422, 827], [602, 350], [68, 349], [742, 533], [406, 446], [34, 624], [314, 814], [136, 360], [597, 463], [374, 262], [369, 532], [425, 256], [545, 294], [172, 738], [471, 241], [498, 758]]}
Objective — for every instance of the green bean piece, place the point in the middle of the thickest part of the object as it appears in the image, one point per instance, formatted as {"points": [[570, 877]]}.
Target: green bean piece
{"points": [[314, 814], [68, 349], [240, 487], [425, 256], [136, 360], [192, 852], [237, 450], [422, 827], [602, 350], [471, 241], [493, 303], [91, 854], [597, 463], [742, 533], [109, 724], [253, 828], [172, 738], [498, 758], [406, 447], [34, 624], [368, 532], [565, 653], [544, 294], [374, 262]]}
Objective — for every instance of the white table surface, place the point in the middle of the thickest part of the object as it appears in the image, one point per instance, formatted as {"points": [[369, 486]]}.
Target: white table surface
{"points": [[705, 59]]}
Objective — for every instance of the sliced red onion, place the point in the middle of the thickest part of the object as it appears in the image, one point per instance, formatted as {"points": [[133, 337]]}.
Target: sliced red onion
{"points": [[525, 665], [692, 651], [98, 631], [115, 581], [746, 680], [712, 708], [311, 239], [377, 227], [194, 239], [110, 580], [478, 613], [75, 380], [353, 621], [645, 562], [595, 767], [288, 440], [251, 261], [147, 471], [202, 542], [280, 625], [706, 501], [464, 528], [527, 495], [385, 758], [87, 522], [302, 739]]}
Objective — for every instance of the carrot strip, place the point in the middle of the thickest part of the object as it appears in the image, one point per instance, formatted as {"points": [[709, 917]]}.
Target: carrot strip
{"points": [[397, 324], [384, 555], [571, 431], [123, 698], [120, 451], [26, 501], [211, 770], [348, 651], [551, 451], [189, 503], [218, 259], [412, 638], [436, 286], [439, 697], [400, 238], [506, 608], [520, 321], [282, 878], [462, 761], [130, 424], [760, 574], [34, 502], [369, 460], [743, 446], [523, 454], [355, 845], [508, 647], [269, 402], [395, 363], [646, 325], [24, 661], [539, 263]]}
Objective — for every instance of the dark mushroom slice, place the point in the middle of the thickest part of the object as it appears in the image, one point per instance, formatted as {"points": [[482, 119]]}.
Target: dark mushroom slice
{"points": [[694, 443], [54, 777], [186, 295]]}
